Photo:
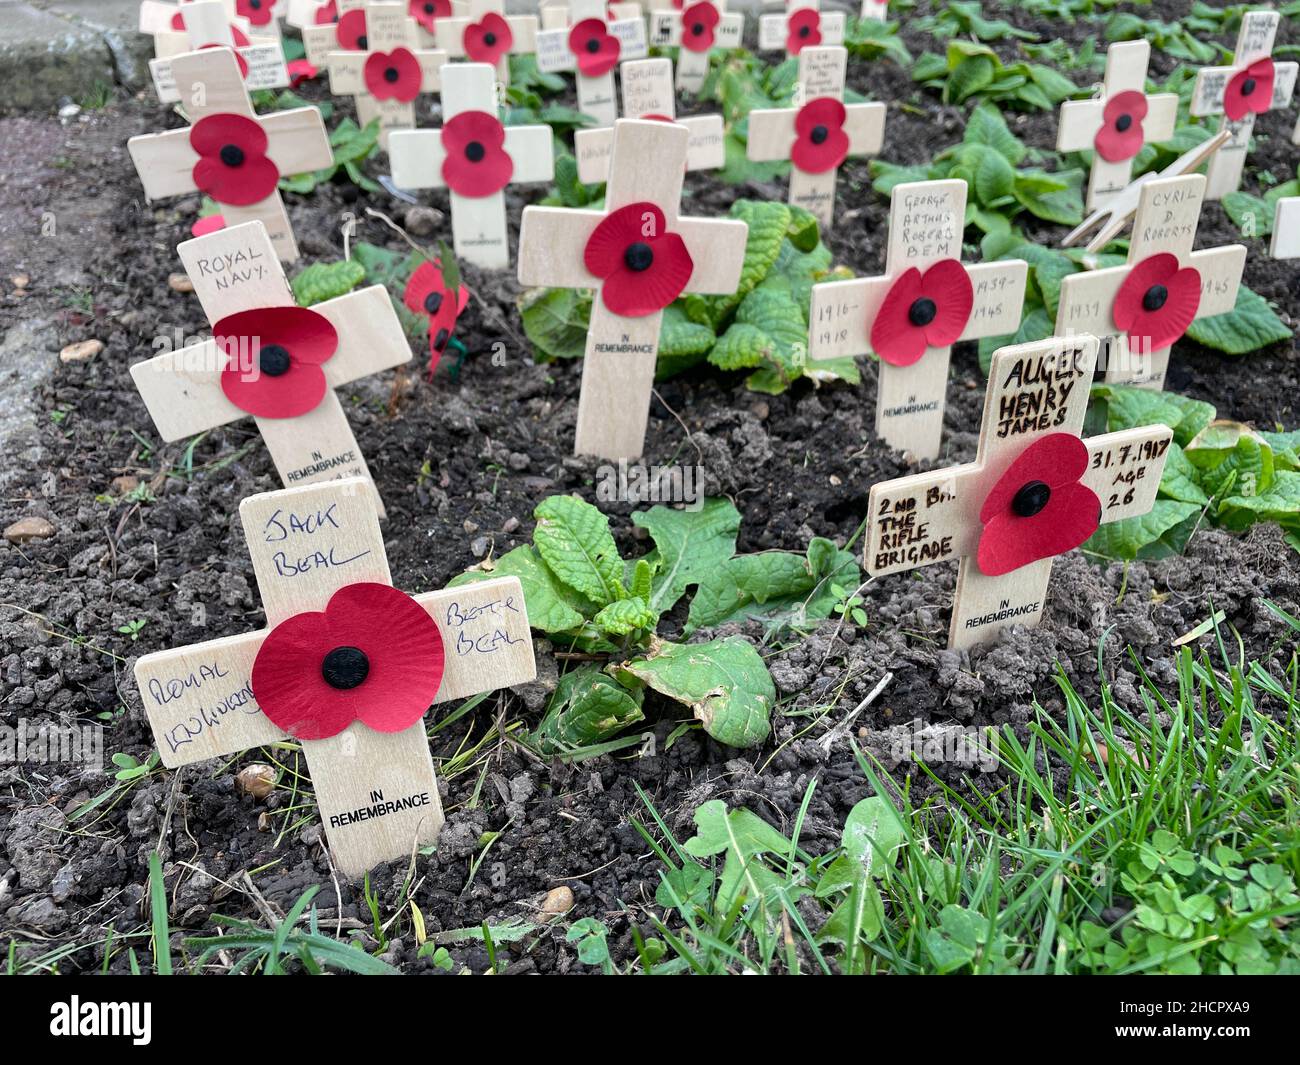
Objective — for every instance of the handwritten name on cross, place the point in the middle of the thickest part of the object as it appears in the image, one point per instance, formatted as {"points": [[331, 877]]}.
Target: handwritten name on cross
{"points": [[697, 29], [804, 25], [209, 24], [592, 46]]}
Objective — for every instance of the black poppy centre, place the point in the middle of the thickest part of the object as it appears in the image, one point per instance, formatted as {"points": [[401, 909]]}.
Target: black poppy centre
{"points": [[804, 31], [440, 341], [345, 668], [639, 256], [273, 360], [391, 74], [697, 29], [429, 9], [1247, 86], [1031, 499], [922, 312], [1123, 123], [232, 155], [1155, 298], [490, 39], [474, 152], [433, 302], [819, 134], [593, 46], [363, 43]]}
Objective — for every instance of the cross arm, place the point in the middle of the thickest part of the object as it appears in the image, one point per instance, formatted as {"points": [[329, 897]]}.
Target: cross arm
{"points": [[165, 162], [182, 391], [1124, 469], [1220, 270], [771, 133], [370, 335], [865, 125], [999, 298], [1081, 119], [717, 247], [297, 141], [839, 314], [923, 519], [416, 156]]}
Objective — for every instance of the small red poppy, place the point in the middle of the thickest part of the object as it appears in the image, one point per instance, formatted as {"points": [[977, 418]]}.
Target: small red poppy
{"points": [[232, 167], [1157, 302], [820, 141], [805, 30], [393, 75], [643, 266], [594, 48], [1121, 135], [427, 294], [273, 359], [327, 14], [488, 40], [240, 61], [1250, 91], [258, 12], [475, 162], [351, 31], [300, 70], [1038, 509], [922, 311], [427, 12], [178, 22], [373, 655], [208, 223], [698, 24]]}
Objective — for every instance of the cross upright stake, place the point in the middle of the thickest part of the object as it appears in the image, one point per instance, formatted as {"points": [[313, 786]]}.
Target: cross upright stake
{"points": [[1286, 229], [1034, 491], [818, 134], [1253, 85], [488, 35], [1116, 124], [592, 47], [271, 358], [804, 25], [639, 256], [697, 29], [366, 660], [926, 301], [475, 157], [1142, 308], [182, 161], [210, 24], [647, 89]]}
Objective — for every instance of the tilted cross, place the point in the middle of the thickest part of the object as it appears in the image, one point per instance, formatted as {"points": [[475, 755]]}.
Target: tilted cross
{"points": [[926, 301], [1116, 124], [347, 664], [475, 157], [209, 24], [488, 35], [1253, 85], [639, 256], [647, 88], [1142, 308], [804, 25], [229, 152], [697, 29], [1034, 491], [271, 358], [819, 133], [592, 47]]}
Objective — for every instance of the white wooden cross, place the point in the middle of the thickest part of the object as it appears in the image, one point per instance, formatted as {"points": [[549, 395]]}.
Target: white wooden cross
{"points": [[235, 270], [697, 29], [1222, 90], [1286, 229], [1046, 505], [325, 30], [804, 25], [554, 14], [876, 10], [208, 24], [210, 85], [486, 34], [1164, 230], [417, 156], [1115, 124], [645, 180], [647, 89], [376, 791], [926, 223], [555, 53]]}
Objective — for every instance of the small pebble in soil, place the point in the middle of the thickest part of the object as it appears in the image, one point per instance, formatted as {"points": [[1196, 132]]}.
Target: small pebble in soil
{"points": [[19, 280], [421, 221], [81, 351], [124, 484], [558, 901], [180, 282], [30, 528], [257, 780]]}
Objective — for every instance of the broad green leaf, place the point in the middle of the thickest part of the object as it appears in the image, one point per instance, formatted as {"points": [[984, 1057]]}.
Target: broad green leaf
{"points": [[987, 126], [1179, 480], [971, 75], [573, 538], [1252, 215], [1281, 503], [745, 839], [1246, 470], [326, 281], [1249, 326], [768, 225], [551, 606], [586, 708], [625, 616], [689, 544], [682, 343], [555, 320], [872, 835], [1037, 325], [1128, 537]]}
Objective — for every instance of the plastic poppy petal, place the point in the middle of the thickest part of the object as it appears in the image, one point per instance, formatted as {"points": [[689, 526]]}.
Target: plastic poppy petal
{"points": [[488, 40], [1113, 144], [609, 241], [258, 12], [290, 395], [288, 683], [948, 284], [327, 14], [300, 70], [804, 30], [427, 12], [1056, 460], [209, 223], [1009, 541], [827, 115], [475, 163], [351, 31], [393, 75], [893, 336], [698, 23], [637, 293], [823, 111], [595, 50], [251, 178], [1153, 270], [308, 335]]}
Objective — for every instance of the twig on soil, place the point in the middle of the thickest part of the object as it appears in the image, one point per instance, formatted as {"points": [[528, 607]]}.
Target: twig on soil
{"points": [[690, 439], [842, 729]]}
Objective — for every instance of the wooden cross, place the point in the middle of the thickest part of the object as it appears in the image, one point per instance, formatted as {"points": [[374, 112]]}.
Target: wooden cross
{"points": [[1252, 85], [587, 39], [780, 133], [313, 548], [1286, 229], [1116, 124], [487, 35], [647, 88], [452, 157], [638, 279], [202, 386], [697, 29], [208, 24], [388, 69], [876, 10], [804, 25], [326, 28], [1033, 491], [168, 163], [1143, 307], [848, 318]]}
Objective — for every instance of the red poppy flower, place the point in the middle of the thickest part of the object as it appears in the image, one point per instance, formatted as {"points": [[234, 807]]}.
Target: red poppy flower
{"points": [[178, 22], [488, 40], [300, 70], [258, 12], [427, 12], [273, 359], [1121, 135], [209, 223], [1038, 509], [1157, 302], [594, 48], [476, 162], [1250, 91], [805, 30], [232, 167], [351, 31], [373, 655], [643, 266], [820, 141], [922, 311], [698, 23], [426, 293], [393, 75], [327, 14], [240, 61]]}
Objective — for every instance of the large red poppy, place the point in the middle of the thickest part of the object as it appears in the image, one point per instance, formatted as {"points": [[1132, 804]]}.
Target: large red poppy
{"points": [[475, 162], [594, 48], [351, 31], [1250, 91], [1121, 135], [804, 29], [488, 40], [1038, 509], [427, 294], [1157, 302], [393, 75], [643, 266], [427, 12], [922, 310], [273, 359], [258, 12], [699, 21], [373, 655], [820, 141], [232, 167]]}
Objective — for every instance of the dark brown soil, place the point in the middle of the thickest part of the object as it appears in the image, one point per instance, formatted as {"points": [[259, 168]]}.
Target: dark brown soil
{"points": [[458, 461]]}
